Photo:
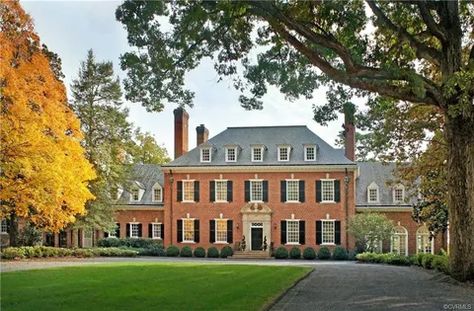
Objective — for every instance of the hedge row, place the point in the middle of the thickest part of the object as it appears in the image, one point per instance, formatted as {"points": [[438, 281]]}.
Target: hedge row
{"points": [[427, 261], [130, 242], [391, 258], [310, 253], [186, 251], [46, 251]]}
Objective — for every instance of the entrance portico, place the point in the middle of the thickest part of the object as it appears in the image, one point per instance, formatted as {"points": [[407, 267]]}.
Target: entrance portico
{"points": [[256, 226]]}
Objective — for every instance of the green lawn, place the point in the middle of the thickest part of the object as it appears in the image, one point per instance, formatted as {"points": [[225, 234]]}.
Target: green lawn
{"points": [[146, 287]]}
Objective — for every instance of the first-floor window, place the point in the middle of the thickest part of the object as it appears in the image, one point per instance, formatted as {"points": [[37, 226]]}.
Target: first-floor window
{"points": [[4, 226], [424, 244], [221, 230], [134, 231], [328, 232], [292, 231], [156, 231], [399, 241], [188, 230]]}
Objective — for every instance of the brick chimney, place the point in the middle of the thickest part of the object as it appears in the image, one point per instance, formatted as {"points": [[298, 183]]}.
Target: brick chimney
{"points": [[349, 131], [181, 118], [202, 134]]}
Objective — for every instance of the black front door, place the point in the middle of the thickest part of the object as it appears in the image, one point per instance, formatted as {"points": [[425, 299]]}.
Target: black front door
{"points": [[257, 239]]}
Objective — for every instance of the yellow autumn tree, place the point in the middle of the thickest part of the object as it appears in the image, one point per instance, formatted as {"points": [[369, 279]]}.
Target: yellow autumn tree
{"points": [[44, 174]]}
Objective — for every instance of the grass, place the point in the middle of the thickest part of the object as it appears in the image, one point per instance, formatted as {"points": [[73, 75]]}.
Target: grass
{"points": [[147, 287]]}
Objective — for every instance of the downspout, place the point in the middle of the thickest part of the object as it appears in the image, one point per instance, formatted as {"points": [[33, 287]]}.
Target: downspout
{"points": [[346, 205], [171, 206]]}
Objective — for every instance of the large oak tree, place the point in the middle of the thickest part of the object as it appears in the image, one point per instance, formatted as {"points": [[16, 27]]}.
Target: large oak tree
{"points": [[418, 52]]}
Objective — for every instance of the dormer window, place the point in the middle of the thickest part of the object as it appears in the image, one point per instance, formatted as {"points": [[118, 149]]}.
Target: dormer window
{"points": [[398, 194], [135, 195], [231, 154], [284, 153], [257, 154], [310, 153], [205, 154], [373, 193], [157, 193]]}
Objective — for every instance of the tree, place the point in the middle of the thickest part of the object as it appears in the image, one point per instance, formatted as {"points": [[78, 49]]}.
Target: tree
{"points": [[370, 229], [147, 150], [96, 99], [418, 54], [44, 173]]}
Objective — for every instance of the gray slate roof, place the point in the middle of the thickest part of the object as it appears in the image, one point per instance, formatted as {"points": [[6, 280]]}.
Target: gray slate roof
{"points": [[383, 175], [144, 176], [270, 137]]}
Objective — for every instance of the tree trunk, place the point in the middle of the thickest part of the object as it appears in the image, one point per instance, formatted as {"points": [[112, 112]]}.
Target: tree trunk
{"points": [[13, 233], [459, 133]]}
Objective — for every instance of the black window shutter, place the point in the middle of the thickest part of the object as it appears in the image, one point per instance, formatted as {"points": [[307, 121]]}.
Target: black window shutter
{"points": [[337, 232], [117, 230], [318, 232], [150, 230], [229, 191], [196, 230], [283, 231], [106, 234], [162, 229], [180, 230], [179, 191], [212, 191], [283, 190], [301, 186], [140, 230], [318, 191], [337, 191], [230, 238], [8, 225], [265, 191], [302, 232], [128, 230], [212, 231], [247, 191], [196, 191]]}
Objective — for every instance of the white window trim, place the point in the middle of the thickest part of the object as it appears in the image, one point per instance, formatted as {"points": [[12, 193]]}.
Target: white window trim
{"points": [[292, 243], [215, 190], [210, 154], [406, 240], [261, 153], [373, 186], [251, 199], [153, 231], [227, 154], [398, 187], [182, 237], [322, 229], [131, 231], [182, 190], [417, 243], [334, 191], [119, 193], [288, 150], [156, 186], [292, 201], [140, 194], [6, 226], [215, 229], [305, 152]]}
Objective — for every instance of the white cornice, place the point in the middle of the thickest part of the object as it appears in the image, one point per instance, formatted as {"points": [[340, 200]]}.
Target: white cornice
{"points": [[384, 209], [261, 168]]}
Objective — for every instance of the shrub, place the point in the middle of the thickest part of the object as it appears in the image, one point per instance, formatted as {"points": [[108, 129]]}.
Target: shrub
{"points": [[199, 252], [339, 253], [172, 251], [281, 253], [395, 259], [324, 253], [441, 263], [226, 251], [419, 259], [352, 255], [186, 252], [13, 253], [115, 252], [83, 252], [212, 252], [109, 242], [427, 260], [295, 253], [309, 253]]}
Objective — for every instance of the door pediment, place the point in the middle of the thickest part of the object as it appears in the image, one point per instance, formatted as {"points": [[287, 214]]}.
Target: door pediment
{"points": [[256, 208]]}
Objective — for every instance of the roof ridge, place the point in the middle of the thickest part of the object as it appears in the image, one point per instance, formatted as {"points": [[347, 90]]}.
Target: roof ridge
{"points": [[264, 126]]}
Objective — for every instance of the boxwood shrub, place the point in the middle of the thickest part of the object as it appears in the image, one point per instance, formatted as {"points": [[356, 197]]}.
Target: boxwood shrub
{"points": [[339, 253], [295, 253], [441, 263], [324, 253], [281, 253], [186, 251], [199, 252], [426, 261], [172, 251], [309, 253], [212, 252], [226, 251]]}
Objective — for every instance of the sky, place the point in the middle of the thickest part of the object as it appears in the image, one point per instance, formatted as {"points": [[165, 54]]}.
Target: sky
{"points": [[70, 28]]}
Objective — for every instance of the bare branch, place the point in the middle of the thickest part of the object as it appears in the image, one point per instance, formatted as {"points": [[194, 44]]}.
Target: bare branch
{"points": [[430, 22]]}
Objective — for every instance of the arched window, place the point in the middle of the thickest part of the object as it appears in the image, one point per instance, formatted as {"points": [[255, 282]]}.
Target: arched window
{"points": [[373, 193], [423, 242], [157, 194], [399, 241]]}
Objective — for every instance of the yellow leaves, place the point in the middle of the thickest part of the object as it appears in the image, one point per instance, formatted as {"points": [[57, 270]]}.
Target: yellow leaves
{"points": [[44, 172]]}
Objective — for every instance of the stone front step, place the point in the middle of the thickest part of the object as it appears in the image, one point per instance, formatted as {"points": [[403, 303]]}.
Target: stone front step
{"points": [[251, 255]]}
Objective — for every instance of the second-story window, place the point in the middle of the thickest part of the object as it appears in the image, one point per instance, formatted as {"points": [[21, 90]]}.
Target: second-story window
{"points": [[256, 190], [221, 190], [327, 190], [283, 153], [292, 190], [231, 154], [205, 154], [188, 190]]}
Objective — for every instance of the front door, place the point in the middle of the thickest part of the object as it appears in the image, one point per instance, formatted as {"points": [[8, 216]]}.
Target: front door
{"points": [[257, 239]]}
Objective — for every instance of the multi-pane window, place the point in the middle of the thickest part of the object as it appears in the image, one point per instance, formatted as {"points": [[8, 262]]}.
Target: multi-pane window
{"points": [[399, 241], [221, 231], [134, 231], [156, 231], [231, 154], [327, 231], [188, 230], [113, 233], [292, 231], [256, 190], [327, 190], [4, 226], [205, 154], [373, 195], [283, 153], [257, 154], [221, 190], [309, 153], [398, 194], [188, 190], [135, 193], [292, 190], [157, 194], [423, 242]]}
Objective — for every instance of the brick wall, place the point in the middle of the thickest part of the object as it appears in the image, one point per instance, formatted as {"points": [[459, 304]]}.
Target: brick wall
{"points": [[144, 217]]}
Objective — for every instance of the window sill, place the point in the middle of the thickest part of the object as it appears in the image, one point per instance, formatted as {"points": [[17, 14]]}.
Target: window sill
{"points": [[188, 201], [220, 243], [292, 202], [256, 202], [329, 244], [156, 238], [328, 202], [292, 244], [188, 242], [220, 202]]}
